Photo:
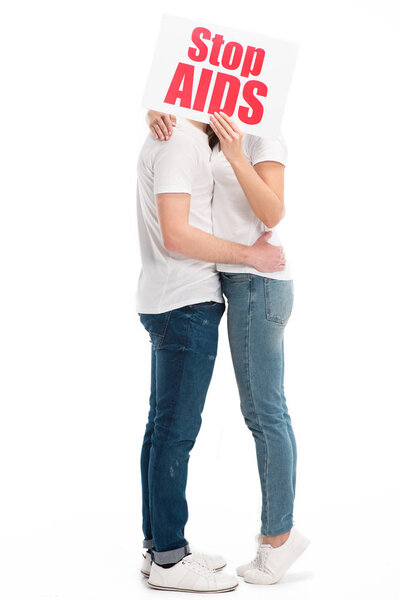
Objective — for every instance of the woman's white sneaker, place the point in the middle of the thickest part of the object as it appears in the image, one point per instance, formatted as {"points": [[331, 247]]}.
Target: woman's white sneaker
{"points": [[270, 564], [241, 570], [211, 561], [190, 576]]}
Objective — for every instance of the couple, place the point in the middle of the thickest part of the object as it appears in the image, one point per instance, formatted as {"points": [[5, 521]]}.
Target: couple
{"points": [[200, 189]]}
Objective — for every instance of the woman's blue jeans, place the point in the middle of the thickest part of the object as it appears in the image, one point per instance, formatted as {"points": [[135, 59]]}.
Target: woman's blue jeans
{"points": [[258, 310], [184, 347]]}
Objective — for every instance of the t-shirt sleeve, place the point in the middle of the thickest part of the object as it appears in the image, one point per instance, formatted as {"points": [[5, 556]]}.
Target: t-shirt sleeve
{"points": [[175, 164], [261, 149]]}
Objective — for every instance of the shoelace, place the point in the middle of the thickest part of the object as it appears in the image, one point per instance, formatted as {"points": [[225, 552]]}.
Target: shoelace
{"points": [[254, 562], [199, 568], [261, 561]]}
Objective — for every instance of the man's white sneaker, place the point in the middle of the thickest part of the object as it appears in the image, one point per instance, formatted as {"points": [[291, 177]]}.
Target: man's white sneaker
{"points": [[146, 564], [212, 562], [270, 563], [190, 576]]}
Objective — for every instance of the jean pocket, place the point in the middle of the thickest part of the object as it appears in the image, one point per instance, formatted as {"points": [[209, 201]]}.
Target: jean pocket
{"points": [[278, 299], [156, 326], [236, 277]]}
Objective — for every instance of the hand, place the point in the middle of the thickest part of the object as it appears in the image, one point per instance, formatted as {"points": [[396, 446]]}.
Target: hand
{"points": [[266, 257], [160, 124], [229, 135]]}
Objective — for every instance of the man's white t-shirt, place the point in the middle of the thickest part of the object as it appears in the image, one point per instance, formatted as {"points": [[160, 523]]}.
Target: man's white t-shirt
{"points": [[233, 217], [169, 280]]}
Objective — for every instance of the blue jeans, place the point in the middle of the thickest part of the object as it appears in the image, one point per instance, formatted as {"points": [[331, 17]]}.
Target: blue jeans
{"points": [[184, 347], [258, 310]]}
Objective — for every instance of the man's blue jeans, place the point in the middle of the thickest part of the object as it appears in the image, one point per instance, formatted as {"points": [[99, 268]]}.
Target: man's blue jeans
{"points": [[258, 310], [184, 347]]}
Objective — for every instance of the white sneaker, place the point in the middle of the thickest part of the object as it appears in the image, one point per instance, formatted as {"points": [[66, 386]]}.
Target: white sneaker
{"points": [[270, 563], [212, 562], [190, 576], [146, 564]]}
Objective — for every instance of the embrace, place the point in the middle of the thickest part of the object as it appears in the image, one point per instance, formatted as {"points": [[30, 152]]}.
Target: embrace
{"points": [[209, 199]]}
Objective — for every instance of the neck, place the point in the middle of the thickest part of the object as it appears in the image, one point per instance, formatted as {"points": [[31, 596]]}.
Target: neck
{"points": [[199, 125]]}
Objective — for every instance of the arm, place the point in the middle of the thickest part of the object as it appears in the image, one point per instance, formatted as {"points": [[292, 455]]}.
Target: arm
{"points": [[261, 184], [179, 236]]}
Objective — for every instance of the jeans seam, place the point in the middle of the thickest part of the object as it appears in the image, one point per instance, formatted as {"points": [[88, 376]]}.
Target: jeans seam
{"points": [[186, 333], [266, 453]]}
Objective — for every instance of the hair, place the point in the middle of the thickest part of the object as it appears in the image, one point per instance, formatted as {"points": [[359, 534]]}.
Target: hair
{"points": [[212, 137]]}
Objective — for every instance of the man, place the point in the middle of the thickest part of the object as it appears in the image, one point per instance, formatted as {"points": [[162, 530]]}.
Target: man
{"points": [[180, 304]]}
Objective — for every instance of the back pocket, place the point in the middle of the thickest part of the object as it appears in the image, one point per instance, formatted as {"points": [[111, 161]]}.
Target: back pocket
{"points": [[278, 299], [236, 277], [156, 326]]}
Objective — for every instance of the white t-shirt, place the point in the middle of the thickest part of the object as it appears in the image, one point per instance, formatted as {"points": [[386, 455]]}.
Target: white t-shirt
{"points": [[233, 218], [169, 280]]}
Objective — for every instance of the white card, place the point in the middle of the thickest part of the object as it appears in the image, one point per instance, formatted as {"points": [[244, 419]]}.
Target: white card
{"points": [[199, 68]]}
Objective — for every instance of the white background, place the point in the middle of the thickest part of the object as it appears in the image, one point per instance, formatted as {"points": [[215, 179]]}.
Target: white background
{"points": [[75, 360]]}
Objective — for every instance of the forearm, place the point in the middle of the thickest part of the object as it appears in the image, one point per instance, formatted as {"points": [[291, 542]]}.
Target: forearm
{"points": [[195, 243], [266, 205]]}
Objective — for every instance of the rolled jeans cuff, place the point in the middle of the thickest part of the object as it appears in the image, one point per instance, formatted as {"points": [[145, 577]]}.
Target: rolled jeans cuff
{"points": [[170, 556], [147, 544]]}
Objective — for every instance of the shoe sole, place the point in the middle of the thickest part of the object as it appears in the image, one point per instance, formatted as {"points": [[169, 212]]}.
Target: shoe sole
{"points": [[173, 589], [147, 573]]}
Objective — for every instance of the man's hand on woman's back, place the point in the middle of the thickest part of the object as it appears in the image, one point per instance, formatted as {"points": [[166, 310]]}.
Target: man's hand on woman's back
{"points": [[266, 257]]}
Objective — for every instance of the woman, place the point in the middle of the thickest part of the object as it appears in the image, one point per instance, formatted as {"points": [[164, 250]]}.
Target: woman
{"points": [[248, 199]]}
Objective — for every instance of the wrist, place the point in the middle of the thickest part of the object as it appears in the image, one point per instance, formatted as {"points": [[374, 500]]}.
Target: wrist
{"points": [[247, 255], [238, 161]]}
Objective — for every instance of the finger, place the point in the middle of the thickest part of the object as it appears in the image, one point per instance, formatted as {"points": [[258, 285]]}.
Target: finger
{"points": [[153, 131], [173, 120], [158, 131], [218, 128], [231, 122], [225, 124], [163, 126], [215, 131], [213, 127], [168, 124]]}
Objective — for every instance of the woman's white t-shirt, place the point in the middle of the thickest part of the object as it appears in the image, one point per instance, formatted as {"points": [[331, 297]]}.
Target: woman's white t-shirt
{"points": [[233, 217]]}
